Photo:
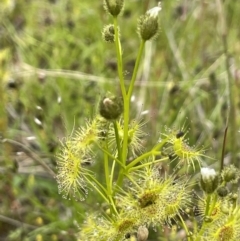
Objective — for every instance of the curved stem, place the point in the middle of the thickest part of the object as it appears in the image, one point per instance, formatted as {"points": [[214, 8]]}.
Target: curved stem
{"points": [[160, 144], [133, 181], [189, 238], [110, 155], [96, 188], [142, 157], [146, 164]]}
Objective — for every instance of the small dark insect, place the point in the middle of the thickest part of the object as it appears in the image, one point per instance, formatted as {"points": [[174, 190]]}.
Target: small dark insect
{"points": [[179, 134], [12, 84]]}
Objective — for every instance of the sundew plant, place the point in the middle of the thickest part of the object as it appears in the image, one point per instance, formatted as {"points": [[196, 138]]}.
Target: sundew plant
{"points": [[143, 194]]}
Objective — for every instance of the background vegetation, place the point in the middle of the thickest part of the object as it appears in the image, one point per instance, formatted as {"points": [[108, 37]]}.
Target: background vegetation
{"points": [[54, 67]]}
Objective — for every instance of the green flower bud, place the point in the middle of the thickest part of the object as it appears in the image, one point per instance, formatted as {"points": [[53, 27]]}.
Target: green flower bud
{"points": [[230, 174], [111, 107], [222, 191], [108, 33], [114, 7], [148, 26], [209, 180]]}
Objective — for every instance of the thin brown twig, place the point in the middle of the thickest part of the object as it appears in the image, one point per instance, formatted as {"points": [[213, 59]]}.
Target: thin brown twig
{"points": [[32, 155], [16, 222], [231, 86], [223, 147]]}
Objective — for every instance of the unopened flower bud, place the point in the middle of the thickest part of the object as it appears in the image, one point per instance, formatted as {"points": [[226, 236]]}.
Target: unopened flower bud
{"points": [[111, 107], [148, 25], [108, 33], [142, 233], [230, 174], [222, 191], [114, 7], [209, 180]]}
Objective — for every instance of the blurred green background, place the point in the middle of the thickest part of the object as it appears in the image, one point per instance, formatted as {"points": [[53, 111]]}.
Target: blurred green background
{"points": [[54, 67]]}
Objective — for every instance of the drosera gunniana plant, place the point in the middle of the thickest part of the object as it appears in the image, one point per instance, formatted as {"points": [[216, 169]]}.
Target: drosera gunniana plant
{"points": [[142, 197]]}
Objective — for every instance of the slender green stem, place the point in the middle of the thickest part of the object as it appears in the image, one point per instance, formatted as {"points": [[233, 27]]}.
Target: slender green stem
{"points": [[125, 140], [200, 233], [126, 97], [117, 140], [120, 179], [189, 238], [113, 206], [161, 144], [106, 172], [142, 157], [139, 56], [209, 197], [123, 155], [207, 212], [112, 174], [127, 109], [146, 164], [110, 155], [108, 197], [119, 57], [213, 202], [125, 130], [91, 182], [97, 182], [133, 181]]}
